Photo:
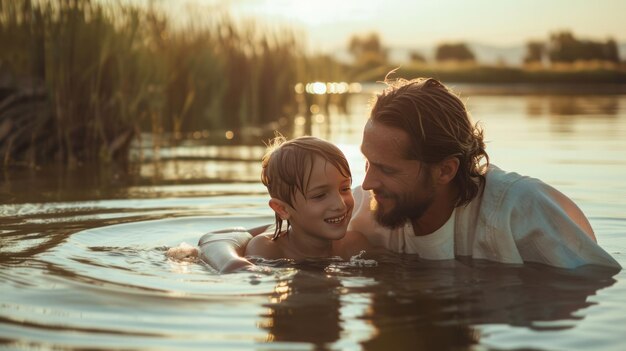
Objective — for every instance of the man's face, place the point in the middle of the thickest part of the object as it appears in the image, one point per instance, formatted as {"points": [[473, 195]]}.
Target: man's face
{"points": [[403, 189]]}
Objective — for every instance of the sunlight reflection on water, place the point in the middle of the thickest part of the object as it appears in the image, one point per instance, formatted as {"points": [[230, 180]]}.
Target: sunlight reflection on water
{"points": [[83, 263]]}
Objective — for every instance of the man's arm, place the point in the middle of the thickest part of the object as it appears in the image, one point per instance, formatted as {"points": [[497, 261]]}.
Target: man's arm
{"points": [[549, 228]]}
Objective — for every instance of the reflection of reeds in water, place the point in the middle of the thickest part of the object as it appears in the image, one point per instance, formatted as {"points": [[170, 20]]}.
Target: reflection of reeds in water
{"points": [[80, 79]]}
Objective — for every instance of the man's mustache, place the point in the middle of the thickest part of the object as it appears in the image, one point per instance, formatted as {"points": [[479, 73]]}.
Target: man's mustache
{"points": [[382, 193]]}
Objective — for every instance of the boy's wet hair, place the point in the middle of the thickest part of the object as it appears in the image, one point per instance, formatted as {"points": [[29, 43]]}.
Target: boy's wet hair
{"points": [[287, 167]]}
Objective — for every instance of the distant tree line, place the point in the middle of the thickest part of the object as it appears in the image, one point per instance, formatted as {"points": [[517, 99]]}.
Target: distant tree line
{"points": [[454, 52], [564, 47], [371, 62], [369, 52]]}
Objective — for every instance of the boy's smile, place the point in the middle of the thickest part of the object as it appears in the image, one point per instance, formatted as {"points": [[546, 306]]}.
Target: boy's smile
{"points": [[336, 220]]}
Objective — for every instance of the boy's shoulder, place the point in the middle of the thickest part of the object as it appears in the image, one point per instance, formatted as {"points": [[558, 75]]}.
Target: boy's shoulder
{"points": [[351, 244], [353, 236], [263, 246]]}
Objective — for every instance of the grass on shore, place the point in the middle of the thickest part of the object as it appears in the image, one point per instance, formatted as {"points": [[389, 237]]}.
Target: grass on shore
{"points": [[578, 73]]}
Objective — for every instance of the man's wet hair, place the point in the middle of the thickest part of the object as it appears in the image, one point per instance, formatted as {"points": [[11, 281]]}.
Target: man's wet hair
{"points": [[439, 127]]}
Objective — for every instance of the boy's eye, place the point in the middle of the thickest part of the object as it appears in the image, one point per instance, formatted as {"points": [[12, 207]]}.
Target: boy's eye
{"points": [[318, 196], [346, 189]]}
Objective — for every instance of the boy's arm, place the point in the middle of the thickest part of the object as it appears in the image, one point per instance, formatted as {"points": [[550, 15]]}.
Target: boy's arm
{"points": [[223, 249], [254, 231], [258, 230]]}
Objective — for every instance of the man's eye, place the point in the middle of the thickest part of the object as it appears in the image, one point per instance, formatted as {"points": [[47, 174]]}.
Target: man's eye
{"points": [[386, 170]]}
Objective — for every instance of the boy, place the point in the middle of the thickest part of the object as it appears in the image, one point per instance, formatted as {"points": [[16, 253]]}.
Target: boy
{"points": [[309, 182]]}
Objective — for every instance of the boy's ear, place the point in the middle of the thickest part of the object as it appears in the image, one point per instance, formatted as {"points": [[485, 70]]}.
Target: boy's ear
{"points": [[280, 207], [446, 170]]}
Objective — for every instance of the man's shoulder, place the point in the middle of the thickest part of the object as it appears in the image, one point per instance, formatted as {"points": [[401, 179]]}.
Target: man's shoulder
{"points": [[500, 177], [500, 183], [505, 192]]}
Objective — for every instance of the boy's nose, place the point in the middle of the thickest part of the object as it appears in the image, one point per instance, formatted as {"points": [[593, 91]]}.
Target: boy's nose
{"points": [[340, 203]]}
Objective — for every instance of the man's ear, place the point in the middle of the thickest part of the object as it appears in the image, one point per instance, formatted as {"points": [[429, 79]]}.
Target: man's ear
{"points": [[280, 207], [446, 170]]}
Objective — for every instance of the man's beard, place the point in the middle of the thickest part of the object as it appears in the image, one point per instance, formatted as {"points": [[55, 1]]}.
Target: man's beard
{"points": [[407, 206]]}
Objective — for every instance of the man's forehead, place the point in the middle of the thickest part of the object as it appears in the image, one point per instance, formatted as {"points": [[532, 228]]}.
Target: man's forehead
{"points": [[380, 128], [384, 140]]}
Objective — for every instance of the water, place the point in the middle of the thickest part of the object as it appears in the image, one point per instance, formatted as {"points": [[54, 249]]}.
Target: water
{"points": [[83, 266]]}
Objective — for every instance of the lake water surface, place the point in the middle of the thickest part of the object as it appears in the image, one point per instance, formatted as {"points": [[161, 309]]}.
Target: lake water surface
{"points": [[82, 262]]}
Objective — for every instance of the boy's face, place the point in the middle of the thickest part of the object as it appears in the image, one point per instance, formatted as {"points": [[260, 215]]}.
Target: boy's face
{"points": [[325, 209]]}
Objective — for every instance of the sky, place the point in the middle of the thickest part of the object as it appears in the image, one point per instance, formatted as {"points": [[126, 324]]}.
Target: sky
{"points": [[328, 24]]}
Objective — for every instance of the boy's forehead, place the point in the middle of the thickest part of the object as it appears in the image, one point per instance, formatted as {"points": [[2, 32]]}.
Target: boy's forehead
{"points": [[321, 171], [318, 169]]}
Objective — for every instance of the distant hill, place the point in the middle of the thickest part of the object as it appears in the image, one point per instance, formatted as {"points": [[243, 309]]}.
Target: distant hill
{"points": [[486, 54]]}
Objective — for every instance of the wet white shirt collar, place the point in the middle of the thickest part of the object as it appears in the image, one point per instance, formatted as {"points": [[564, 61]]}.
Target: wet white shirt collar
{"points": [[438, 245]]}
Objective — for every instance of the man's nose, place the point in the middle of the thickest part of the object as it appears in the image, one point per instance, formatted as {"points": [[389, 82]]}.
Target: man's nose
{"points": [[370, 181]]}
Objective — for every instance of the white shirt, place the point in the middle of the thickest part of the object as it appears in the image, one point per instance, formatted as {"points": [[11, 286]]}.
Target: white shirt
{"points": [[438, 245], [515, 219]]}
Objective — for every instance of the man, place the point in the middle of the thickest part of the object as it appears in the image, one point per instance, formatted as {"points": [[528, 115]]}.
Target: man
{"points": [[429, 190], [432, 191]]}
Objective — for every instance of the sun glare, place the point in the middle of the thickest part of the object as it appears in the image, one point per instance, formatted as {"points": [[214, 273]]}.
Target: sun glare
{"points": [[331, 22], [313, 13]]}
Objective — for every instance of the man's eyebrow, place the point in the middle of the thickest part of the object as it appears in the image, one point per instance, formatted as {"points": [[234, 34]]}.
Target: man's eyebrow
{"points": [[376, 164], [380, 165]]}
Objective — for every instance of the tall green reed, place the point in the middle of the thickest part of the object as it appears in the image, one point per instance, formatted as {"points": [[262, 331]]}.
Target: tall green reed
{"points": [[79, 80]]}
